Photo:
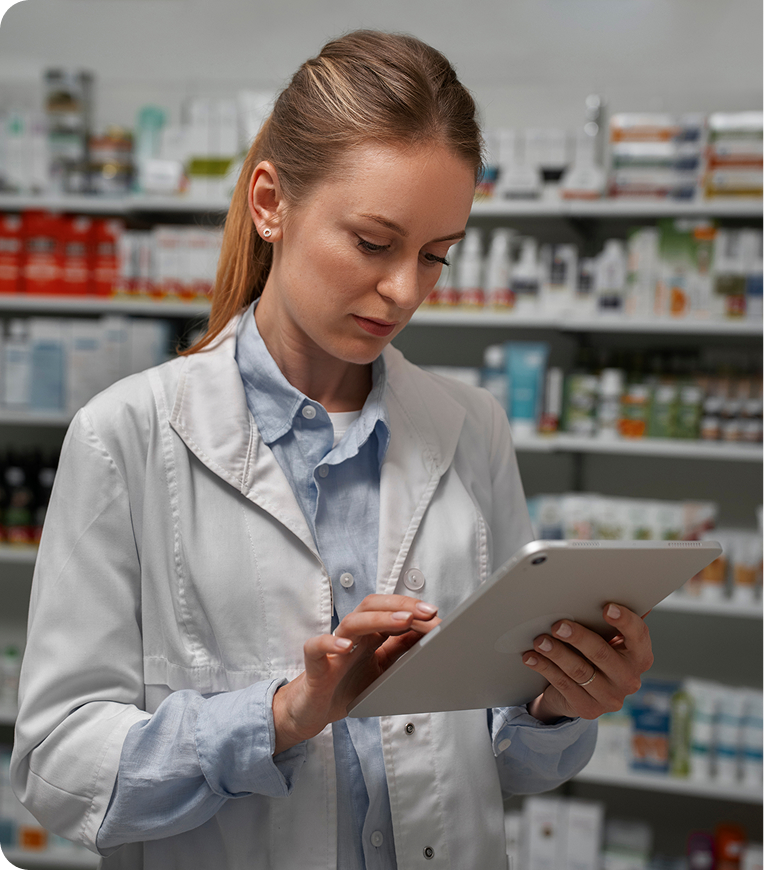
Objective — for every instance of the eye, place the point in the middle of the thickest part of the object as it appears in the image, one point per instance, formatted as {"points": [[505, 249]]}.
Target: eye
{"points": [[432, 258], [370, 247]]}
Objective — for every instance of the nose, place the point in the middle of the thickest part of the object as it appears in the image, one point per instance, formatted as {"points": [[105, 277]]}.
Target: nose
{"points": [[401, 285]]}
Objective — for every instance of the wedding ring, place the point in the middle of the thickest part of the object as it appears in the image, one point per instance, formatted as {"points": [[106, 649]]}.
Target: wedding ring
{"points": [[591, 679]]}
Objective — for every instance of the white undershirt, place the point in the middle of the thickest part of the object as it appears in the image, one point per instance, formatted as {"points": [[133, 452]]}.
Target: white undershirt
{"points": [[341, 421]]}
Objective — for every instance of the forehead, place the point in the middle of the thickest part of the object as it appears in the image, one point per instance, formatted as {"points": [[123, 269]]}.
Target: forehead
{"points": [[417, 187]]}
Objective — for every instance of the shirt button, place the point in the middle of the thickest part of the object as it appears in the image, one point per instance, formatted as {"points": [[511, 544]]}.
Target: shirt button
{"points": [[347, 580], [309, 412], [413, 579], [428, 852], [323, 470], [504, 745], [377, 838], [410, 728]]}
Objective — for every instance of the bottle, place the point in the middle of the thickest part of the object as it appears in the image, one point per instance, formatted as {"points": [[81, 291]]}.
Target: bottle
{"points": [[469, 278], [611, 277], [17, 366], [526, 277], [498, 282], [552, 407], [493, 375], [611, 384]]}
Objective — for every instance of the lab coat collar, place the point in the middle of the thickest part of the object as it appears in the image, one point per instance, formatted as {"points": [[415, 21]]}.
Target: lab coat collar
{"points": [[210, 414]]}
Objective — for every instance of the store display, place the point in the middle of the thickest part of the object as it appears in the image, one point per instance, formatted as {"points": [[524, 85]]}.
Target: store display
{"points": [[680, 268], [58, 364]]}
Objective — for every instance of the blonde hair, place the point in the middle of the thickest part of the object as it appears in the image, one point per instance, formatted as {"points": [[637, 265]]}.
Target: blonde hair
{"points": [[363, 86]]}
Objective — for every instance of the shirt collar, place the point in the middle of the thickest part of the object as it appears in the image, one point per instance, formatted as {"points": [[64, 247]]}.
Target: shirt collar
{"points": [[274, 402]]}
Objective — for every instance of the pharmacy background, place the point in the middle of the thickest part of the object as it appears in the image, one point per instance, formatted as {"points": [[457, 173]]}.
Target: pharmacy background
{"points": [[608, 293]]}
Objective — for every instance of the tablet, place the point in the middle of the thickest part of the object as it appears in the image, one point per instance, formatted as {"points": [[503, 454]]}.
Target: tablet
{"points": [[473, 659]]}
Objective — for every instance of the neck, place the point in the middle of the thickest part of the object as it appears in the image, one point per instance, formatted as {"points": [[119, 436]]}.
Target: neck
{"points": [[333, 383]]}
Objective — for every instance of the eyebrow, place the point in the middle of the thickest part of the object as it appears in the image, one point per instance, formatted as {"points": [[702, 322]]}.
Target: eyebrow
{"points": [[391, 225]]}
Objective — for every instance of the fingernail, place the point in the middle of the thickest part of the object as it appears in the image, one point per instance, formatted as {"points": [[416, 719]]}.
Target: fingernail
{"points": [[564, 630], [343, 642], [401, 615], [545, 644], [531, 660], [426, 609], [613, 612]]}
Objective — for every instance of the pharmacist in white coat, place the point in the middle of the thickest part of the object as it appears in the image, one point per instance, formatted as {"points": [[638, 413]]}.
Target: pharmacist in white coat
{"points": [[240, 540]]}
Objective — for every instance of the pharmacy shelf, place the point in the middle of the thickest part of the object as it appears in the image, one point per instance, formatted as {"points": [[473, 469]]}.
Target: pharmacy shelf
{"points": [[662, 782], [681, 602], [103, 305], [76, 858], [427, 316], [18, 554], [670, 448], [568, 322], [34, 418], [550, 205], [553, 206]]}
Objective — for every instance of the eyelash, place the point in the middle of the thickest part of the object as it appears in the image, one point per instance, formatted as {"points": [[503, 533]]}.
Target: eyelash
{"points": [[371, 248]]}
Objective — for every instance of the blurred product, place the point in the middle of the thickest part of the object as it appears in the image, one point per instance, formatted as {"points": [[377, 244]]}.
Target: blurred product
{"points": [[526, 364], [498, 272], [69, 109], [469, 270], [734, 154]]}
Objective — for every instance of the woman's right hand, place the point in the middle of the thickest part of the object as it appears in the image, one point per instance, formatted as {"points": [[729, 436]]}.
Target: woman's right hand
{"points": [[339, 666]]}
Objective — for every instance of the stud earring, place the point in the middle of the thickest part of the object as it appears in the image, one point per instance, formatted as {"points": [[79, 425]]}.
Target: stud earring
{"points": [[267, 232]]}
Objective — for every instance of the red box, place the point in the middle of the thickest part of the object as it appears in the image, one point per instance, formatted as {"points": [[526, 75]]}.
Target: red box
{"points": [[41, 271], [77, 251], [11, 252]]}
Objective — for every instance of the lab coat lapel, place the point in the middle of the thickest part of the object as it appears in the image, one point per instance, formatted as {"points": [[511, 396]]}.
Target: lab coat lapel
{"points": [[211, 415], [425, 424]]}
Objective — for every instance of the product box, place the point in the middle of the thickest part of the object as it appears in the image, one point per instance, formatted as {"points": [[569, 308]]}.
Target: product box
{"points": [[582, 834], [48, 341], [651, 726], [86, 363], [11, 253], [41, 273], [686, 251], [543, 835], [76, 242]]}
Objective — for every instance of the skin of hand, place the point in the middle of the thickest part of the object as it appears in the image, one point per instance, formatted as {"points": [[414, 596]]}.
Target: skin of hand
{"points": [[571, 654], [339, 666]]}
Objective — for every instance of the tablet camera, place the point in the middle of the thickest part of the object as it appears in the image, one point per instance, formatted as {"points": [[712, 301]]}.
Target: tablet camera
{"points": [[539, 560]]}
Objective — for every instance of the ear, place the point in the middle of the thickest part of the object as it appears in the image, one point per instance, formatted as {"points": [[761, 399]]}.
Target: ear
{"points": [[265, 200]]}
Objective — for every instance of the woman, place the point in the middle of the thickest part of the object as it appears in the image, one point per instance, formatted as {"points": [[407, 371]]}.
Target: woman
{"points": [[235, 536]]}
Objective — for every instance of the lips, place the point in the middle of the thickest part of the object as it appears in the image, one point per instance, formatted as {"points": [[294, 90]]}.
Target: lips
{"points": [[375, 327]]}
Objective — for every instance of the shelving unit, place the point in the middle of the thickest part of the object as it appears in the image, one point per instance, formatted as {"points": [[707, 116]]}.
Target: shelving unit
{"points": [[659, 782], [544, 455], [76, 858]]}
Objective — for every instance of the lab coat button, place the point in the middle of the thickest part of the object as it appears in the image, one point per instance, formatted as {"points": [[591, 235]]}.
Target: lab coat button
{"points": [[504, 745], [409, 728], [413, 579], [309, 412], [428, 852], [347, 580], [377, 838], [323, 470]]}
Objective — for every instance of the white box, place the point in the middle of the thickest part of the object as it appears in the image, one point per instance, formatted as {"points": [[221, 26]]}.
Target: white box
{"points": [[543, 841], [582, 834], [85, 369]]}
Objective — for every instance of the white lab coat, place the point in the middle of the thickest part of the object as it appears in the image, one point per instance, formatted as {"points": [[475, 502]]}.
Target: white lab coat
{"points": [[175, 556]]}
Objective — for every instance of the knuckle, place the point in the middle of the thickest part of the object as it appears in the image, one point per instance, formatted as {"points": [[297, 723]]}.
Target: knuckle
{"points": [[634, 685], [601, 653], [581, 672], [564, 684]]}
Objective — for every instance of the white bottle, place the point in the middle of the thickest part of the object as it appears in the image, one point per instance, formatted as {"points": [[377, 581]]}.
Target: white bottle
{"points": [[498, 287], [493, 375], [611, 277], [469, 270], [526, 277], [17, 367]]}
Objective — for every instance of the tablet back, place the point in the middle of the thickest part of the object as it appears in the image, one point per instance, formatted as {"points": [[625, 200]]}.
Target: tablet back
{"points": [[473, 659]]}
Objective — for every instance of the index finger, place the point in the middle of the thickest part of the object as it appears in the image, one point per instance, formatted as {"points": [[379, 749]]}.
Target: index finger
{"points": [[395, 603]]}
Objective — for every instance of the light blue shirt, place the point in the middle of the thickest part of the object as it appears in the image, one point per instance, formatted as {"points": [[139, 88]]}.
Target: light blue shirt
{"points": [[179, 767]]}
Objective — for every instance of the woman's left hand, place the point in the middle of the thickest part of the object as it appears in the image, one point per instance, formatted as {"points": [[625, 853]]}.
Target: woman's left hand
{"points": [[587, 675]]}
